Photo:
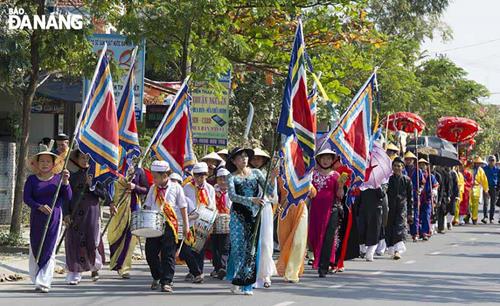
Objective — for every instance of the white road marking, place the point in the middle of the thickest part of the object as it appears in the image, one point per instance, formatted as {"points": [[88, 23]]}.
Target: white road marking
{"points": [[486, 234], [409, 262], [435, 253], [376, 273], [473, 238], [336, 286], [284, 303]]}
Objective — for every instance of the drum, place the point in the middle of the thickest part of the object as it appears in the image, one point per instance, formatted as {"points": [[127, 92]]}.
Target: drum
{"points": [[202, 227], [147, 223], [221, 225]]}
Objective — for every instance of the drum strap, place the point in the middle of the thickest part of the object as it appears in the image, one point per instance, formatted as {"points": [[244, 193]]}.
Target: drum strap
{"points": [[167, 210]]}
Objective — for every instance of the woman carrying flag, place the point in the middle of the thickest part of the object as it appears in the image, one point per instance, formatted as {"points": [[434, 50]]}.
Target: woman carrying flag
{"points": [[266, 268], [244, 191], [38, 194], [83, 244]]}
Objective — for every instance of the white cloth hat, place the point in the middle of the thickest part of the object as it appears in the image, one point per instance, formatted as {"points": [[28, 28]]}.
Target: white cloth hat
{"points": [[213, 156], [160, 166], [222, 172], [200, 168], [175, 176]]}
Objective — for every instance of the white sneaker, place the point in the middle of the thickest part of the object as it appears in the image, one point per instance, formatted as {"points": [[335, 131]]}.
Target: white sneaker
{"points": [[249, 293]]}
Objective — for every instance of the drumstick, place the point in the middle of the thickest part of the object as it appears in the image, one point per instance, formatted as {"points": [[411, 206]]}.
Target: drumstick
{"points": [[180, 247], [140, 247]]}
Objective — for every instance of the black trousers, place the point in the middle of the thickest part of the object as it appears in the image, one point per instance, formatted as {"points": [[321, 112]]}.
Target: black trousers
{"points": [[220, 250], [441, 216], [492, 201], [328, 241], [199, 258], [370, 223], [160, 255]]}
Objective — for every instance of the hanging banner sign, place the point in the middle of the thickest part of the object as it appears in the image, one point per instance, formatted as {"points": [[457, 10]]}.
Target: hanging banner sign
{"points": [[210, 113]]}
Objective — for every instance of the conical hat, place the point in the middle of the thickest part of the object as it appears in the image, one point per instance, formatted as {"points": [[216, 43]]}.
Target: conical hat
{"points": [[44, 150], [213, 156], [478, 160], [223, 152], [423, 160], [392, 147], [260, 152], [325, 152], [409, 154]]}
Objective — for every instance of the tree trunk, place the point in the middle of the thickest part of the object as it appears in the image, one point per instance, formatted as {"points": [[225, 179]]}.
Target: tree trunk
{"points": [[28, 95], [185, 61]]}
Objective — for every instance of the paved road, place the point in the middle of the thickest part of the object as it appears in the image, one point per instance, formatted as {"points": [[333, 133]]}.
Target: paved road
{"points": [[460, 267]]}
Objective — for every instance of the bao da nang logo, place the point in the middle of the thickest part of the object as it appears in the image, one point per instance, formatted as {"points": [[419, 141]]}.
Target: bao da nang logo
{"points": [[19, 20]]}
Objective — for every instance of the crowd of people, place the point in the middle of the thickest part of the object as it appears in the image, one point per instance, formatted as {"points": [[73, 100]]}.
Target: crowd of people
{"points": [[336, 223]]}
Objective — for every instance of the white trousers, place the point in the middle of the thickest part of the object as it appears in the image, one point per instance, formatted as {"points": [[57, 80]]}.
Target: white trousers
{"points": [[73, 277], [43, 277], [381, 247], [398, 247], [266, 267]]}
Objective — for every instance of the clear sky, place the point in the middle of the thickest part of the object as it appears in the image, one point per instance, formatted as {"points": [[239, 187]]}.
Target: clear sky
{"points": [[475, 45]]}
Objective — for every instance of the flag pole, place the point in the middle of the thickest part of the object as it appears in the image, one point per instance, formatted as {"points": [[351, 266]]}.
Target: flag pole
{"points": [[72, 144], [416, 167], [387, 130], [186, 80]]}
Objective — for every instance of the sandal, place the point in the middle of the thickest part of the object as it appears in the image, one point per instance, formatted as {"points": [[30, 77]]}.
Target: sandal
{"points": [[95, 276], [166, 288], [125, 276], [155, 285]]}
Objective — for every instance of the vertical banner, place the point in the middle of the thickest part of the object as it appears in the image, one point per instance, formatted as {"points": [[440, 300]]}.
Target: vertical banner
{"points": [[210, 113], [121, 51]]}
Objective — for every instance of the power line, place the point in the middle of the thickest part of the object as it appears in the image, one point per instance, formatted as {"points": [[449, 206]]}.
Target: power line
{"points": [[471, 45]]}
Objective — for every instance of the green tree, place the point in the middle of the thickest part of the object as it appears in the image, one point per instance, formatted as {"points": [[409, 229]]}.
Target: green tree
{"points": [[26, 56]]}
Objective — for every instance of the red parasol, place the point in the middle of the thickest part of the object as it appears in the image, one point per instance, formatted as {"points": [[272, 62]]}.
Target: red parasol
{"points": [[404, 121], [457, 129]]}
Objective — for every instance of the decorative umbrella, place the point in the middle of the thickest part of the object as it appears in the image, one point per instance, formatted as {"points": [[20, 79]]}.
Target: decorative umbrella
{"points": [[379, 170], [440, 151], [404, 121], [457, 129]]}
